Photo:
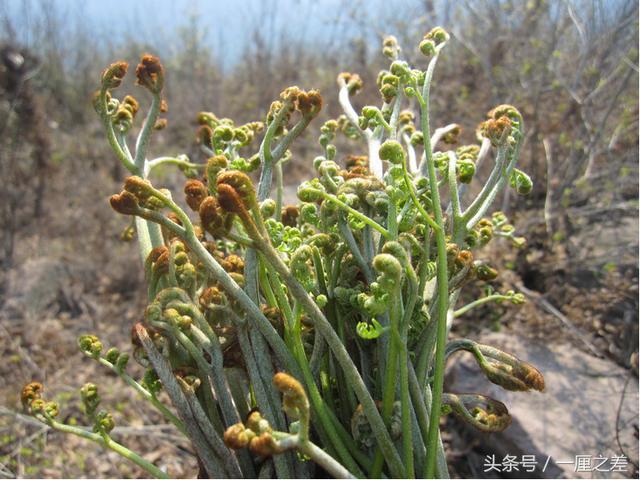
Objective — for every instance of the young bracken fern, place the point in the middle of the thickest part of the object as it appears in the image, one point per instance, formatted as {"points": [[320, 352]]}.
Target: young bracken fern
{"points": [[319, 328]]}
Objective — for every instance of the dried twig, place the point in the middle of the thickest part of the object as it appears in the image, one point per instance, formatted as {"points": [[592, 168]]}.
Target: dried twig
{"points": [[575, 331]]}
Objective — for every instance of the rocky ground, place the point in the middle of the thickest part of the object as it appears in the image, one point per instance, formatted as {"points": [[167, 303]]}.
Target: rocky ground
{"points": [[580, 328], [588, 410]]}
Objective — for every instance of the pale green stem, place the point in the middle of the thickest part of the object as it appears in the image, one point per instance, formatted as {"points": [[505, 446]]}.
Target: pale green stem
{"points": [[227, 456], [146, 395], [148, 236], [350, 240], [142, 141], [258, 337], [208, 457], [393, 123], [426, 342], [106, 442], [477, 303], [187, 234], [172, 277], [414, 198], [384, 123], [125, 159], [485, 147], [260, 355], [425, 262], [405, 401], [298, 441], [443, 283], [441, 132], [286, 142], [495, 175], [155, 235], [486, 201], [279, 190], [342, 356], [390, 378], [375, 164], [211, 345], [367, 243], [373, 224], [144, 239], [266, 157], [326, 461], [298, 351], [329, 183], [207, 151], [283, 468], [202, 364], [392, 221], [180, 161], [422, 404], [208, 340], [413, 164], [453, 189], [317, 355], [122, 140], [349, 111]]}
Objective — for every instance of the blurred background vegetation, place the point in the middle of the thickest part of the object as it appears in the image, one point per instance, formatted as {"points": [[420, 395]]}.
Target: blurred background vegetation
{"points": [[571, 67]]}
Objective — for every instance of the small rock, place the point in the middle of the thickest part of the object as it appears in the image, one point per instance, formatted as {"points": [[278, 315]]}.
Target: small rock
{"points": [[575, 415], [608, 327], [36, 284], [41, 283]]}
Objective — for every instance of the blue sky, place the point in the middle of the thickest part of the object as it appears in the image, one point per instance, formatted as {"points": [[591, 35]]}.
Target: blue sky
{"points": [[228, 23]]}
